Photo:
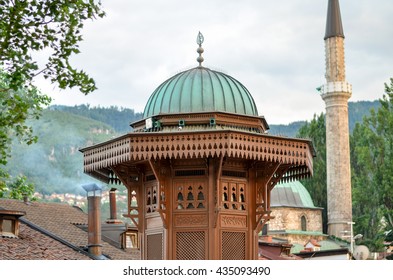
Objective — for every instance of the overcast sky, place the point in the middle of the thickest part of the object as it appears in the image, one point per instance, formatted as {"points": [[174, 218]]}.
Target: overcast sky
{"points": [[275, 48]]}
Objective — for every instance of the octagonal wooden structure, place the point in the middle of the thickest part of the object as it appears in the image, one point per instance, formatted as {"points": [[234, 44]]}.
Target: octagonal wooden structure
{"points": [[202, 190]]}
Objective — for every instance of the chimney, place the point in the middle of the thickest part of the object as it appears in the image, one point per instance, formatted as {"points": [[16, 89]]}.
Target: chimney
{"points": [[94, 218], [112, 207], [112, 203]]}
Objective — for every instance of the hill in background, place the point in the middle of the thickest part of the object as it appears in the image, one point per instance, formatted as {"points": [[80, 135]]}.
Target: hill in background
{"points": [[356, 112], [54, 163], [118, 118]]}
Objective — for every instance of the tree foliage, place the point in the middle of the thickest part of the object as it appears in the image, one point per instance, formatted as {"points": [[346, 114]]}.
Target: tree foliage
{"points": [[28, 28], [17, 106], [52, 28], [316, 186], [371, 146], [18, 188], [3, 183], [372, 169]]}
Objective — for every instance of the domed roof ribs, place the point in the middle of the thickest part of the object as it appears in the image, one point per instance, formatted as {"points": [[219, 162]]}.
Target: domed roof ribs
{"points": [[203, 91], [239, 94], [254, 109], [182, 91], [150, 105], [212, 87], [222, 92], [334, 27], [174, 82], [159, 99]]}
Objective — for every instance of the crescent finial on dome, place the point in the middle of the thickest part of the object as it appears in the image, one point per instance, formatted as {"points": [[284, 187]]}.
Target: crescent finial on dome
{"points": [[200, 50]]}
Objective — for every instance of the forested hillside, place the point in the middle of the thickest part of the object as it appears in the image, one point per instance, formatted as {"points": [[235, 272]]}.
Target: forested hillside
{"points": [[118, 118], [54, 163], [356, 112]]}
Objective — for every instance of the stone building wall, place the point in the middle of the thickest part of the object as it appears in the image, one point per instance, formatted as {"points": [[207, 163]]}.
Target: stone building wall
{"points": [[289, 218]]}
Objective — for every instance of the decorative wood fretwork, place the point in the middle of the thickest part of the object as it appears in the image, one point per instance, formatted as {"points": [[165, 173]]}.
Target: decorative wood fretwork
{"points": [[233, 221], [191, 220], [151, 198], [233, 195], [130, 177], [190, 195], [159, 172], [297, 153], [203, 119], [266, 175]]}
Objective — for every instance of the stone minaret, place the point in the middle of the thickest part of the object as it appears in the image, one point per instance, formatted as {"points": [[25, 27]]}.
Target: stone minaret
{"points": [[336, 93]]}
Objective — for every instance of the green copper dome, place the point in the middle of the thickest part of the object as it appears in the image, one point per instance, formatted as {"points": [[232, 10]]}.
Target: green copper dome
{"points": [[291, 194], [200, 89]]}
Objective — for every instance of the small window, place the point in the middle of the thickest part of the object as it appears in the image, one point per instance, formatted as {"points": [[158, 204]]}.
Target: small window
{"points": [[9, 222], [265, 229], [8, 226], [303, 222], [131, 240]]}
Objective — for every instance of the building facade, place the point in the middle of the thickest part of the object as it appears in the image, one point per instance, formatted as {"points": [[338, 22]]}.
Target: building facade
{"points": [[296, 219]]}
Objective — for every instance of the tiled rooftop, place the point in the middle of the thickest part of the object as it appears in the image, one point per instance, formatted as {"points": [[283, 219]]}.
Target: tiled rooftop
{"points": [[60, 220], [33, 245]]}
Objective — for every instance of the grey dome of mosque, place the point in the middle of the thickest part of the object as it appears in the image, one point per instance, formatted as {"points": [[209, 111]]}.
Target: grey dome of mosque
{"points": [[200, 89]]}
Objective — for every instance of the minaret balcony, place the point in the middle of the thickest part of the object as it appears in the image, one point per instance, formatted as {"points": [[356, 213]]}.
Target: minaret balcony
{"points": [[336, 87]]}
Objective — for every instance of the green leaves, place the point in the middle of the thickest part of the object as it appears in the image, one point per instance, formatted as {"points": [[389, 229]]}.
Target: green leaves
{"points": [[32, 26], [372, 169], [28, 27], [20, 188], [371, 145], [15, 189], [316, 186], [17, 106]]}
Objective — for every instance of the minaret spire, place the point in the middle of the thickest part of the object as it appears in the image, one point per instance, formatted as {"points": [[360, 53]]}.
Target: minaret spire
{"points": [[334, 27], [336, 93]]}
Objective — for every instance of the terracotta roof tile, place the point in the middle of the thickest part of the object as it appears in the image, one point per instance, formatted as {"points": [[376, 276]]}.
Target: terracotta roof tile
{"points": [[60, 219], [33, 245]]}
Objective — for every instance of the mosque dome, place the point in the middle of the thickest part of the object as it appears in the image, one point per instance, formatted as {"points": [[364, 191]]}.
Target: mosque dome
{"points": [[200, 89], [291, 194]]}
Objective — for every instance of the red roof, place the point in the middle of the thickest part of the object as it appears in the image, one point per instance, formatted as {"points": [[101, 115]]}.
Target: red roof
{"points": [[34, 245], [59, 220]]}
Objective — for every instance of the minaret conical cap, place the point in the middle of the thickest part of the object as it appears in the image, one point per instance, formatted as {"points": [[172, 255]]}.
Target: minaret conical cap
{"points": [[334, 27]]}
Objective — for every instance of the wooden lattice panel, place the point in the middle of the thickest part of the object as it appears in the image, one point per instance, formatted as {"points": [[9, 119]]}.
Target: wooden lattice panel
{"points": [[190, 245], [233, 245], [154, 246]]}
